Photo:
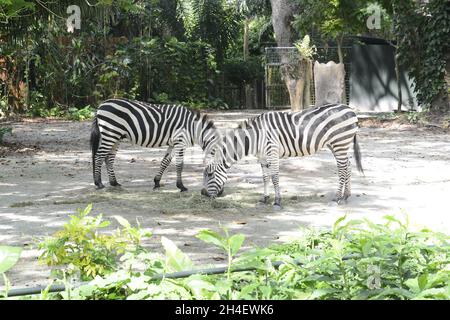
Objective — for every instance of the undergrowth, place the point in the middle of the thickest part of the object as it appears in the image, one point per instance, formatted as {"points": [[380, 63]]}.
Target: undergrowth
{"points": [[356, 259]]}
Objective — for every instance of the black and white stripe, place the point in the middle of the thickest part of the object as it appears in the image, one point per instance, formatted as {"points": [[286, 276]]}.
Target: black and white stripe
{"points": [[149, 126], [274, 135]]}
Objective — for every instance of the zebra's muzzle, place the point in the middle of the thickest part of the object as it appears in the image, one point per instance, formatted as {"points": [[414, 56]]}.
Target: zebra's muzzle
{"points": [[204, 192]]}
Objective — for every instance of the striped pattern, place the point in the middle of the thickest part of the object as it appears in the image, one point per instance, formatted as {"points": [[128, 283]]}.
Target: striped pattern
{"points": [[149, 126], [275, 135]]}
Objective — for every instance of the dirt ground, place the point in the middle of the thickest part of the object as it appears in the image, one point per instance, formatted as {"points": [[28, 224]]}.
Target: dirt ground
{"points": [[46, 174]]}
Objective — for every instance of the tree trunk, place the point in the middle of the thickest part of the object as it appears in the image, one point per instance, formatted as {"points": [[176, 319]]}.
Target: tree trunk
{"points": [[248, 92], [340, 41], [308, 80], [246, 35], [397, 78], [282, 15], [297, 77]]}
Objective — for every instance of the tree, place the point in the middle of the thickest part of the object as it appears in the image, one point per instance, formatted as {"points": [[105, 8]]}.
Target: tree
{"points": [[292, 70], [331, 19]]}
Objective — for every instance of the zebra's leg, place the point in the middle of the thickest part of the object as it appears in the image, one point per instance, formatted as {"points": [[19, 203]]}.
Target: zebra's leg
{"points": [[105, 148], [97, 164], [347, 188], [110, 166], [265, 198], [98, 160], [274, 169], [179, 159], [164, 164], [343, 166]]}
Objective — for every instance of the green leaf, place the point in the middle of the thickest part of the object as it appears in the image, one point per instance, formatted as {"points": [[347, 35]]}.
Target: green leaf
{"points": [[122, 221], [212, 237], [176, 260], [422, 281], [338, 221], [8, 257], [201, 289], [235, 243]]}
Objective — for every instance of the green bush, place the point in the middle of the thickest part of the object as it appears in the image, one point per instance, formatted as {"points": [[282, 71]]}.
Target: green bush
{"points": [[239, 71], [79, 247], [356, 259]]}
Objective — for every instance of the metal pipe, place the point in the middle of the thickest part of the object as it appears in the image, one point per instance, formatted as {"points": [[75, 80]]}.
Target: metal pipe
{"points": [[175, 275]]}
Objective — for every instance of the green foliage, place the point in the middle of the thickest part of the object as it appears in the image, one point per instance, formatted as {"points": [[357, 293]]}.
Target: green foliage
{"points": [[8, 257], [81, 248], [240, 72], [229, 244], [3, 131], [332, 18], [157, 51], [216, 22], [413, 117], [81, 114], [14, 8], [423, 32], [304, 47], [356, 259]]}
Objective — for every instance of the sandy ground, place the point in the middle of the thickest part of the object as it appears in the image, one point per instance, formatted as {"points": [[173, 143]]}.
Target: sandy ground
{"points": [[49, 176]]}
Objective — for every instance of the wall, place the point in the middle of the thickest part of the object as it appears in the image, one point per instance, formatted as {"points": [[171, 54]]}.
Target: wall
{"points": [[373, 85]]}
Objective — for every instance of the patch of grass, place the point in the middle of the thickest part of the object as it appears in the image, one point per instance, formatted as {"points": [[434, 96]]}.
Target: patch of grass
{"points": [[22, 204]]}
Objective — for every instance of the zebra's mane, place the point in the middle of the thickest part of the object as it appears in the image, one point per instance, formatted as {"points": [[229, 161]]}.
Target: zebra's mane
{"points": [[199, 116], [247, 122]]}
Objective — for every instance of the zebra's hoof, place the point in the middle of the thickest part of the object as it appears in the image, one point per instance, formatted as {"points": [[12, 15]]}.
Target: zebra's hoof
{"points": [[115, 184], [277, 207], [99, 186], [184, 189], [336, 201], [157, 187]]}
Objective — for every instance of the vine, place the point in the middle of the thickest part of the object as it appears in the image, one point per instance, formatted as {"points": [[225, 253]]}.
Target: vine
{"points": [[423, 32]]}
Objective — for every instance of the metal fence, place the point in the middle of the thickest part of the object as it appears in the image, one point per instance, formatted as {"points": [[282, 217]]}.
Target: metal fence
{"points": [[276, 93]]}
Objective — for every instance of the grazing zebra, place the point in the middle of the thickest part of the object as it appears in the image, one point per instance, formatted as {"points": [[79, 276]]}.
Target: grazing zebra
{"points": [[150, 126], [275, 135]]}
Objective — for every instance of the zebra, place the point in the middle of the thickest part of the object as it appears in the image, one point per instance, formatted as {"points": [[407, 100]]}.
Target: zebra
{"points": [[274, 135], [147, 125]]}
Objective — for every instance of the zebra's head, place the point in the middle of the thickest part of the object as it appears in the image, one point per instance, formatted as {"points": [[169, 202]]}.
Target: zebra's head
{"points": [[214, 178]]}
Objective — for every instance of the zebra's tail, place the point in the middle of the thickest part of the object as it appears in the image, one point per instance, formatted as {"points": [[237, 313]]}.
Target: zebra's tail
{"points": [[95, 140], [357, 153]]}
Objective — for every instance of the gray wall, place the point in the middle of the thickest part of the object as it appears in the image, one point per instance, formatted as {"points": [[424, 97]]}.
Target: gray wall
{"points": [[373, 85]]}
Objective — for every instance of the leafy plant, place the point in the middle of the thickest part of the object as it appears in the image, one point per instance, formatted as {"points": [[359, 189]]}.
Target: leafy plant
{"points": [[305, 48], [8, 259], [413, 116], [81, 114], [229, 244], [81, 248], [355, 259]]}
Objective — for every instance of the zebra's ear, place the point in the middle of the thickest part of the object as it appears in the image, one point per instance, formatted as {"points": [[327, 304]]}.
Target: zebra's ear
{"points": [[208, 158], [211, 168]]}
